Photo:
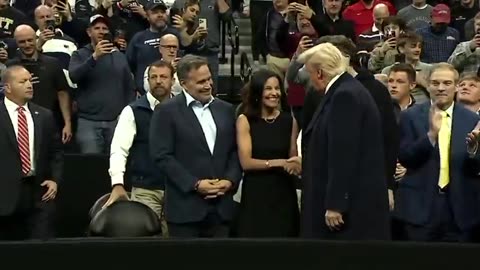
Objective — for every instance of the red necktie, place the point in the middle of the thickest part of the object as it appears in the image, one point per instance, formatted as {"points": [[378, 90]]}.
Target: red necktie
{"points": [[23, 141]]}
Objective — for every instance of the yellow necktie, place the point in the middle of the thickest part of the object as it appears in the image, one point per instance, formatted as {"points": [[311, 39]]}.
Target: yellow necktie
{"points": [[444, 147]]}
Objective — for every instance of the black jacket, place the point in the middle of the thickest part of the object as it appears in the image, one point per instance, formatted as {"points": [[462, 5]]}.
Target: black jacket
{"points": [[385, 106]]}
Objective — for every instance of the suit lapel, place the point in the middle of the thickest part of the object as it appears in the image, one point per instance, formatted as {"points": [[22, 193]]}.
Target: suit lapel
{"points": [[7, 125], [459, 130], [425, 116], [37, 124], [324, 101], [192, 121]]}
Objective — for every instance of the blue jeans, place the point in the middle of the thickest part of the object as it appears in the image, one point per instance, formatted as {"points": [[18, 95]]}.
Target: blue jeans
{"points": [[95, 137]]}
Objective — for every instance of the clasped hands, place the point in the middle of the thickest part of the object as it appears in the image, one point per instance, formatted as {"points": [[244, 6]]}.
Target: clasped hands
{"points": [[213, 188]]}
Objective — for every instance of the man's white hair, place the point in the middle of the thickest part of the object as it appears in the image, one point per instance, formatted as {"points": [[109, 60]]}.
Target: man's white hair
{"points": [[325, 57]]}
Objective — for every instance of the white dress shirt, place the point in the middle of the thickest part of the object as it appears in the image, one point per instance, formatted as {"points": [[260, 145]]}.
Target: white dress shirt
{"points": [[205, 118], [12, 110], [332, 82], [122, 141]]}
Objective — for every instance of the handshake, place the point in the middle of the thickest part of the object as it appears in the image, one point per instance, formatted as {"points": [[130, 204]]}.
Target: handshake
{"points": [[292, 165], [213, 188]]}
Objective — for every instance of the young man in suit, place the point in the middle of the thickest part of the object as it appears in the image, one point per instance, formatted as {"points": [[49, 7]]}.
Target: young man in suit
{"points": [[192, 141], [437, 198], [344, 198], [30, 161]]}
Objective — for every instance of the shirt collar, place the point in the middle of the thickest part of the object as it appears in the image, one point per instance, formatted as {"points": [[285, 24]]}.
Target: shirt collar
{"points": [[152, 101], [189, 99], [333, 81], [12, 106], [449, 110], [374, 28]]}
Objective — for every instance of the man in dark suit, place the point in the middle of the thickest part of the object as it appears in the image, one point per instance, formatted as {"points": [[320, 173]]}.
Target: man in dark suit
{"points": [[382, 99], [345, 192], [192, 140], [30, 161], [437, 198]]}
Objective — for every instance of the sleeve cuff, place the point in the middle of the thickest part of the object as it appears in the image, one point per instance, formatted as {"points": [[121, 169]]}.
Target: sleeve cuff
{"points": [[117, 179]]}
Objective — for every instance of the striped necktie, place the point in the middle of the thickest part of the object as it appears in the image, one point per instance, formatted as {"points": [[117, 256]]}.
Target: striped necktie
{"points": [[23, 141]]}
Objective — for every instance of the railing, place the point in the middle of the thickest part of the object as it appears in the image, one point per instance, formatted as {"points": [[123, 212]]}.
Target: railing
{"points": [[230, 37]]}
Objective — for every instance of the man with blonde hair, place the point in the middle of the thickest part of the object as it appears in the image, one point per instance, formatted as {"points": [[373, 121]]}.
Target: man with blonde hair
{"points": [[345, 193]]}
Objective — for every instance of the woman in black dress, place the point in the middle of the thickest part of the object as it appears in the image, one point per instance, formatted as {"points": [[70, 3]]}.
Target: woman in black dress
{"points": [[266, 137]]}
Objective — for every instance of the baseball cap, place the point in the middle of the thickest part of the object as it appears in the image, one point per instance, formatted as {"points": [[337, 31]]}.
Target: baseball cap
{"points": [[441, 14], [98, 18], [155, 4]]}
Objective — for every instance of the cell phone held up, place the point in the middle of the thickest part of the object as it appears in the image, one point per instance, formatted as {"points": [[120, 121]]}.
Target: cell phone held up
{"points": [[108, 37], [202, 22], [390, 33], [50, 25]]}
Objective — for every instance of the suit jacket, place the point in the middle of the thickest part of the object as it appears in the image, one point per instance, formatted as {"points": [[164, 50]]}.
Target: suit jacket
{"points": [[180, 150], [344, 165], [48, 156], [385, 107], [415, 193], [390, 129]]}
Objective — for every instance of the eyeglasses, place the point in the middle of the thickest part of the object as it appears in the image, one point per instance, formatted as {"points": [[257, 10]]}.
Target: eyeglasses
{"points": [[170, 47]]}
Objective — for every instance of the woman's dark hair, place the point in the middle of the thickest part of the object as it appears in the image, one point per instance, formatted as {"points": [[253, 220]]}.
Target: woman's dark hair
{"points": [[252, 100]]}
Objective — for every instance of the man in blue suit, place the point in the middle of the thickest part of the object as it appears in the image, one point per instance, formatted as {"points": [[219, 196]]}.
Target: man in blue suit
{"points": [[436, 198], [344, 188]]}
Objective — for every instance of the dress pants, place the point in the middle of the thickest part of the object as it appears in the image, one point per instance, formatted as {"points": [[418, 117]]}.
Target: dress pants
{"points": [[211, 227], [441, 226], [32, 218]]}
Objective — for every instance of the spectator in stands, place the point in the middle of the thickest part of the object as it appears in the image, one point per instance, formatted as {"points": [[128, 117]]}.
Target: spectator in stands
{"points": [[439, 40], [49, 83], [361, 14], [367, 40], [128, 16], [288, 40], [192, 140], [437, 199], [130, 145], [11, 18], [468, 92], [463, 11], [212, 13], [401, 82], [169, 46], [53, 43], [257, 9], [330, 22], [186, 21], [31, 161], [142, 50], [410, 48], [466, 56], [105, 87], [277, 60], [335, 197], [385, 53], [269, 162], [417, 15]]}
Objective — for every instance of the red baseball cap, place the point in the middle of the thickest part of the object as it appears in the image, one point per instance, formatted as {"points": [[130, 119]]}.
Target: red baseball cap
{"points": [[441, 14]]}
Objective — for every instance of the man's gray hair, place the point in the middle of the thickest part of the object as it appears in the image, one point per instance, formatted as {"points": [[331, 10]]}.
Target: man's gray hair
{"points": [[188, 63]]}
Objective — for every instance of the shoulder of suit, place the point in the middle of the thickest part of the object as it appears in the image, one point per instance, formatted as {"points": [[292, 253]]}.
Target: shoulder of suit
{"points": [[37, 108]]}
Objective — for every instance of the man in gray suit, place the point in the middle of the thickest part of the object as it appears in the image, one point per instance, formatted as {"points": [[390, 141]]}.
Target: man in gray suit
{"points": [[192, 140]]}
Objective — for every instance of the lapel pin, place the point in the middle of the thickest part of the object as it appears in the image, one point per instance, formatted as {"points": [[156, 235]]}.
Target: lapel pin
{"points": [[36, 112]]}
